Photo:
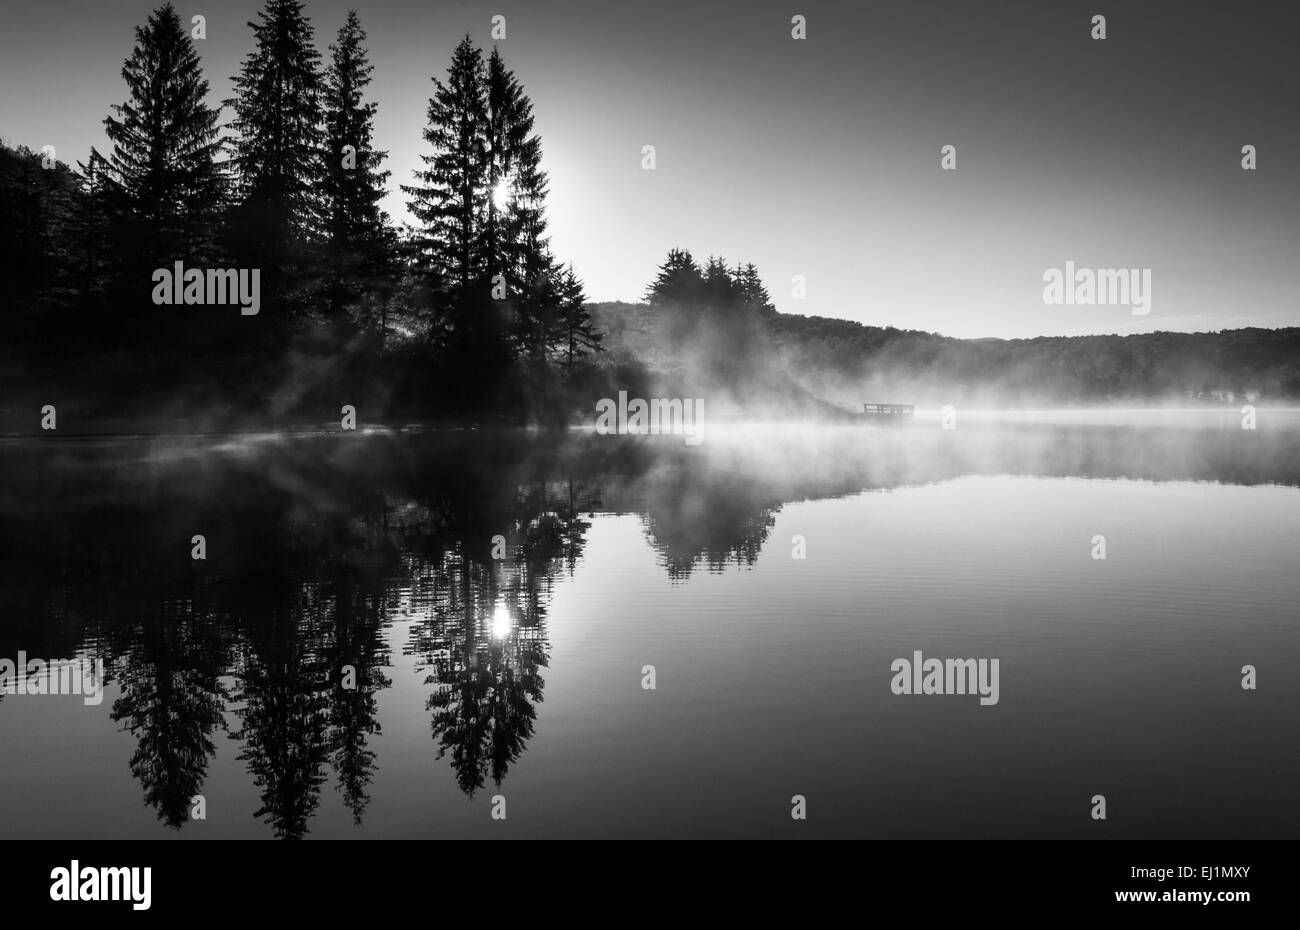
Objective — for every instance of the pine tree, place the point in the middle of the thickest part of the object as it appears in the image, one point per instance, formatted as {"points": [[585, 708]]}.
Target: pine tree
{"points": [[719, 290], [514, 234], [452, 192], [94, 252], [359, 243], [279, 151], [165, 160], [679, 281], [537, 307], [40, 233], [577, 329], [750, 290]]}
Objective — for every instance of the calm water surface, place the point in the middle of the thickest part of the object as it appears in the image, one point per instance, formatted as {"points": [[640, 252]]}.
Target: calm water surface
{"points": [[521, 676]]}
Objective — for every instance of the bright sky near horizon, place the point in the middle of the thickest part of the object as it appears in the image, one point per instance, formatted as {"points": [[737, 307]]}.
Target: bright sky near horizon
{"points": [[821, 157]]}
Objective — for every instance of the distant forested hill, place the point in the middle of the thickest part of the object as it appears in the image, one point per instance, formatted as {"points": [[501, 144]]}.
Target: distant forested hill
{"points": [[847, 363]]}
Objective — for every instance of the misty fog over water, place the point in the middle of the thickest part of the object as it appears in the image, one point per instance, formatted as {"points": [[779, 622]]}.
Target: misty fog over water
{"points": [[518, 671]]}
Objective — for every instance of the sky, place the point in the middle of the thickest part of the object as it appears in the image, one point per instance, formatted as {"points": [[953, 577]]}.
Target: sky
{"points": [[820, 157]]}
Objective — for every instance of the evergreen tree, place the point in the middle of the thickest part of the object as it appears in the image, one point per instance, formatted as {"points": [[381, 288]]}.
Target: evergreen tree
{"points": [[515, 230], [750, 290], [514, 233], [359, 244], [165, 159], [577, 329], [95, 252], [679, 281], [537, 307], [452, 191], [40, 232], [482, 249], [278, 153], [719, 291]]}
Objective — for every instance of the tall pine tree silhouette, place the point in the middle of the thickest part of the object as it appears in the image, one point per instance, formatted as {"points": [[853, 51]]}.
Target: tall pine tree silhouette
{"points": [[450, 200], [278, 154], [359, 246], [452, 192], [516, 226], [481, 246], [515, 241], [165, 167]]}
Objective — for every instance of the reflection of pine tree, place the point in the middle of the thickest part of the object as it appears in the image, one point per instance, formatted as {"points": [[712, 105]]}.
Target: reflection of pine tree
{"points": [[298, 718], [484, 636], [707, 518], [283, 726], [352, 719], [355, 638], [172, 700], [577, 500], [484, 714]]}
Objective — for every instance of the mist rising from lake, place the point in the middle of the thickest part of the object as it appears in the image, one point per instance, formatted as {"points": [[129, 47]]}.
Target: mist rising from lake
{"points": [[514, 667]]}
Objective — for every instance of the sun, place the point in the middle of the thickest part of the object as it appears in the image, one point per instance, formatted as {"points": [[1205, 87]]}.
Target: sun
{"points": [[501, 194], [501, 622]]}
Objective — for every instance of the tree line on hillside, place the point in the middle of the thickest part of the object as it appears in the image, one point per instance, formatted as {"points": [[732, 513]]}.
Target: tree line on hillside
{"points": [[852, 363], [466, 310], [715, 328]]}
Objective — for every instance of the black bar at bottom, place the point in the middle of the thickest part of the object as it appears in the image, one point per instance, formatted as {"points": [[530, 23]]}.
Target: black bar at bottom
{"points": [[366, 879]]}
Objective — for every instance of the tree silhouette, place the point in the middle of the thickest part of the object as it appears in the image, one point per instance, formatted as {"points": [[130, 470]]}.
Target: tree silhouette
{"points": [[172, 701], [484, 636], [165, 164], [468, 312], [359, 244], [40, 233], [750, 290], [515, 229], [278, 152], [284, 724], [452, 191], [720, 291], [578, 333], [481, 250], [354, 639], [679, 281]]}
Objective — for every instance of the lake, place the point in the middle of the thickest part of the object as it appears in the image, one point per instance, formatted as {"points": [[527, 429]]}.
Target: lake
{"points": [[390, 629]]}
